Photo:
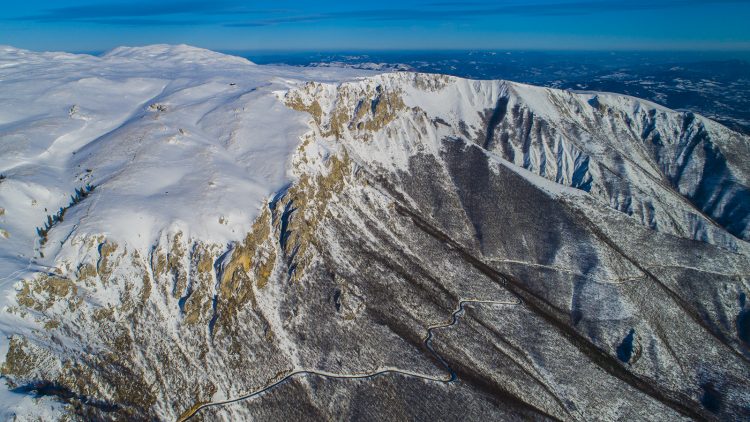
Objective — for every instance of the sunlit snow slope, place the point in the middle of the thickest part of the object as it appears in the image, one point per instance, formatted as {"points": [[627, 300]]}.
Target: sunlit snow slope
{"points": [[170, 137]]}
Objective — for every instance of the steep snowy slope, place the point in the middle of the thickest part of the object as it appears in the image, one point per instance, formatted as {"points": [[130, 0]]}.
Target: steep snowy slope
{"points": [[182, 228], [629, 152]]}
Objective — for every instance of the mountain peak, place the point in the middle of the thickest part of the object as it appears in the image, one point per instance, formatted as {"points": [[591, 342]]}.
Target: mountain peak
{"points": [[180, 53]]}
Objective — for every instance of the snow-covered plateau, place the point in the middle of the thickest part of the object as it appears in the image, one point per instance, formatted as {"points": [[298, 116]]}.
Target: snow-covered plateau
{"points": [[188, 235]]}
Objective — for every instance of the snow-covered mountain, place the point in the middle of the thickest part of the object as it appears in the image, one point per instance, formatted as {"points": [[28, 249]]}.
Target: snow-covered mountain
{"points": [[181, 228]]}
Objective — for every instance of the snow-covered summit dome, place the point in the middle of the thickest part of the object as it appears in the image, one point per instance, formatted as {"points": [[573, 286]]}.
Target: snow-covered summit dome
{"points": [[181, 53]]}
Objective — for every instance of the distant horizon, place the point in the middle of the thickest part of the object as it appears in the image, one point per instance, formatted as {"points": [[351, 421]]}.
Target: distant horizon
{"points": [[685, 51], [743, 53]]}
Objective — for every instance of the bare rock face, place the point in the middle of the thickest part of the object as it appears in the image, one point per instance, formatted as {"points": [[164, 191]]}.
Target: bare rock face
{"points": [[447, 249]]}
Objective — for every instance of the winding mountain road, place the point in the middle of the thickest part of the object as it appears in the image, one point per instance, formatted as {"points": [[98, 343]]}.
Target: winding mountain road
{"points": [[381, 371]]}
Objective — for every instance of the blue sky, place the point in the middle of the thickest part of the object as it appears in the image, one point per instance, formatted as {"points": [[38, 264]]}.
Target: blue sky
{"points": [[379, 24]]}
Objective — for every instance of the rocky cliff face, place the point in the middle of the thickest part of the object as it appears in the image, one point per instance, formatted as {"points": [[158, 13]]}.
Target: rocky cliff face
{"points": [[569, 256]]}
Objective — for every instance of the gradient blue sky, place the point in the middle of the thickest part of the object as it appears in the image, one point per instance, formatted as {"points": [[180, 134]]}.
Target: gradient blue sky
{"points": [[383, 24]]}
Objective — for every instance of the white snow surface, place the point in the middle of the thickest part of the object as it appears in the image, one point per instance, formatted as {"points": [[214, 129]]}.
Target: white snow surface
{"points": [[172, 137]]}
